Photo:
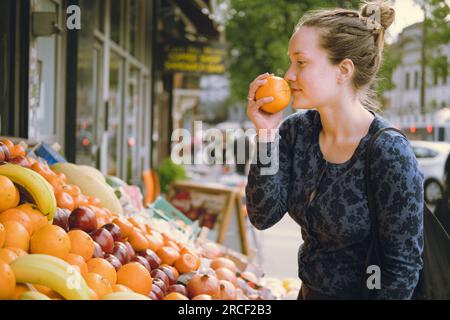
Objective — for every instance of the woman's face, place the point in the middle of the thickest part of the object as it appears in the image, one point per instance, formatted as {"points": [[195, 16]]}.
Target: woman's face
{"points": [[313, 79]]}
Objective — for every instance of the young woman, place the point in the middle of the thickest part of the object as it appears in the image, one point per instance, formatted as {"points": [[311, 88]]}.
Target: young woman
{"points": [[334, 58]]}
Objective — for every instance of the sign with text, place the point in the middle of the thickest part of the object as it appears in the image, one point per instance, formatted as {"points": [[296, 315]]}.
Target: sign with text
{"points": [[200, 58]]}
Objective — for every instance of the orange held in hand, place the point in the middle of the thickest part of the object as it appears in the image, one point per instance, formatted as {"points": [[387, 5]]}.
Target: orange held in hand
{"points": [[277, 88]]}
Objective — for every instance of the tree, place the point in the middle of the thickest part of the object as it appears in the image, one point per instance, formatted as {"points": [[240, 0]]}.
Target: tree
{"points": [[392, 56], [435, 33], [258, 35]]}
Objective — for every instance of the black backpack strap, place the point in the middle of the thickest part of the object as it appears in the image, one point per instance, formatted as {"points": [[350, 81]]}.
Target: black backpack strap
{"points": [[370, 194]]}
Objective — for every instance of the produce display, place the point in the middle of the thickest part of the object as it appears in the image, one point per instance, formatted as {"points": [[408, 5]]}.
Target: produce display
{"points": [[64, 235]]}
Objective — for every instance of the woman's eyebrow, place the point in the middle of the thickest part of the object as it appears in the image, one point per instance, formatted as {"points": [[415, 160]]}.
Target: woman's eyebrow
{"points": [[296, 53]]}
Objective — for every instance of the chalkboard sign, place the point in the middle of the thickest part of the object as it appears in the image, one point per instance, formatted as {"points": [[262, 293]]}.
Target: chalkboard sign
{"points": [[216, 207]]}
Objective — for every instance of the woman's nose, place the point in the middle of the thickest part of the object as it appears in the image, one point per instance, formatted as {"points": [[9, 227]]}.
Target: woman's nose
{"points": [[290, 76]]}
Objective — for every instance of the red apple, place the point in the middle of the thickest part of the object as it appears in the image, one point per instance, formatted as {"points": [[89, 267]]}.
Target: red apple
{"points": [[61, 219], [104, 239], [178, 288], [83, 218], [159, 274], [114, 230], [142, 261], [114, 261], [130, 250], [169, 273], [120, 250], [159, 293], [98, 252]]}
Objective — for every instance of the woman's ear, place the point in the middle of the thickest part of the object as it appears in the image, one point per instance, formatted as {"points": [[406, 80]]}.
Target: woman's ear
{"points": [[345, 72]]}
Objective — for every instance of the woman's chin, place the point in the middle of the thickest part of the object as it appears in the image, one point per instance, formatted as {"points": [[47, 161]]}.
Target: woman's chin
{"points": [[301, 105]]}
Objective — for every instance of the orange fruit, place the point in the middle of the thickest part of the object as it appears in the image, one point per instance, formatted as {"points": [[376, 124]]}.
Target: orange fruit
{"points": [[103, 268], [43, 170], [2, 235], [38, 220], [7, 281], [136, 277], [9, 197], [125, 226], [19, 216], [64, 200], [187, 262], [7, 255], [55, 182], [172, 244], [81, 244], [175, 296], [138, 225], [120, 288], [51, 240], [94, 201], [137, 240], [168, 255], [154, 242], [77, 261], [17, 151], [19, 252], [277, 88], [8, 143], [17, 235], [98, 284]]}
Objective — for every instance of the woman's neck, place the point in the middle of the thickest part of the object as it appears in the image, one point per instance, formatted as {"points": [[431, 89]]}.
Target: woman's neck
{"points": [[341, 124]]}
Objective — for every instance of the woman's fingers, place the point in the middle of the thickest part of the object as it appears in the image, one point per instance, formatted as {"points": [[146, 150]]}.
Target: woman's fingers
{"points": [[259, 81], [263, 101]]}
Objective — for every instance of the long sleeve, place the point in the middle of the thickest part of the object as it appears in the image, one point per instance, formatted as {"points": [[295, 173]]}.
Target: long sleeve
{"points": [[398, 185], [268, 183]]}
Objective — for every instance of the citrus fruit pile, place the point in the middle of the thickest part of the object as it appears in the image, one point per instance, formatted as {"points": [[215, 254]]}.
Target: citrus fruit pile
{"points": [[57, 242]]}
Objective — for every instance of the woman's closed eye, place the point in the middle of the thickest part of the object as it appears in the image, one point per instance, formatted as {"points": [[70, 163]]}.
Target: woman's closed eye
{"points": [[300, 63]]}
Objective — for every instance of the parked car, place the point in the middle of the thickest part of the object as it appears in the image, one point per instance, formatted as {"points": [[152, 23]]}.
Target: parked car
{"points": [[431, 157]]}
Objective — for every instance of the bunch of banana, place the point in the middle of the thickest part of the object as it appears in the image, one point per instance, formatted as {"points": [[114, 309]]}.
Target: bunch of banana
{"points": [[33, 295], [90, 184], [51, 272], [38, 188], [125, 296]]}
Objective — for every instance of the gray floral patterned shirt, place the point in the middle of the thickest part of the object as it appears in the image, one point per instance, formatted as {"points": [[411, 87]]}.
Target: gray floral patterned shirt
{"points": [[329, 202]]}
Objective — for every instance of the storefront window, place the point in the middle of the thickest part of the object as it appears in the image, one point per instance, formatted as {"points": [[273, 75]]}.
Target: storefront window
{"points": [[134, 26], [4, 66], [88, 89], [114, 114], [43, 113], [133, 123], [116, 20]]}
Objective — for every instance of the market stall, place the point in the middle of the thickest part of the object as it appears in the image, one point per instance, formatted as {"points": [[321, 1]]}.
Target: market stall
{"points": [[69, 232]]}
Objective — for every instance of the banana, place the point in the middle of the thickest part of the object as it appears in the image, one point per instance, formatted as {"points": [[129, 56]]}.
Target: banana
{"points": [[33, 295], [90, 185], [36, 186], [124, 296], [51, 272]]}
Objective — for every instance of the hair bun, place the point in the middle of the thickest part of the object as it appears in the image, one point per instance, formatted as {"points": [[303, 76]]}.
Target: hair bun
{"points": [[381, 13]]}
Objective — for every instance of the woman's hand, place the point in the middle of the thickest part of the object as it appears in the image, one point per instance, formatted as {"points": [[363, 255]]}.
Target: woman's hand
{"points": [[261, 119]]}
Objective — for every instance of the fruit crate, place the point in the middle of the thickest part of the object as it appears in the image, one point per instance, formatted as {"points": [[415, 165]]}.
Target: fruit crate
{"points": [[162, 209]]}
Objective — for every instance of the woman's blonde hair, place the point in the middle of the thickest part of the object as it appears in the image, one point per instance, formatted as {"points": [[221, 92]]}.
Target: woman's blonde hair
{"points": [[358, 36]]}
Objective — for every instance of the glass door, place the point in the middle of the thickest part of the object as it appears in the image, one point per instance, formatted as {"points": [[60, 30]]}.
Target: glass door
{"points": [[113, 114]]}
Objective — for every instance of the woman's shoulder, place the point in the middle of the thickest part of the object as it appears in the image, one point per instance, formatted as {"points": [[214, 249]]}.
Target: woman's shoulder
{"points": [[392, 148], [298, 126], [304, 119]]}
